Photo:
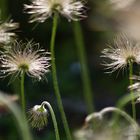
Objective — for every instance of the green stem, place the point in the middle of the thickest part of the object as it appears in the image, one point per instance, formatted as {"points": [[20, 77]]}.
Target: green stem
{"points": [[55, 81], [122, 113], [121, 103], [127, 98], [131, 91], [84, 67], [22, 91], [117, 111], [19, 117], [53, 119]]}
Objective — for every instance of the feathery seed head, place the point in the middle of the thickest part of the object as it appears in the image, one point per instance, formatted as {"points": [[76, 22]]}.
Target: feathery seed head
{"points": [[41, 10], [25, 57], [123, 52], [6, 31], [38, 116]]}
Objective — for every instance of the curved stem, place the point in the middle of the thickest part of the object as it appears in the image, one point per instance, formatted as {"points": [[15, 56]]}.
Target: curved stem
{"points": [[131, 90], [122, 113], [55, 80], [122, 102], [53, 119], [116, 110], [84, 67], [126, 99], [19, 116], [125, 115], [22, 91], [119, 111]]}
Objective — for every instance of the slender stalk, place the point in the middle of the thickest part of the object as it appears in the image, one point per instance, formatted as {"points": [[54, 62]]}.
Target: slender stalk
{"points": [[55, 81], [122, 113], [117, 111], [131, 90], [126, 99], [53, 119], [19, 117], [121, 103], [22, 91], [88, 95]]}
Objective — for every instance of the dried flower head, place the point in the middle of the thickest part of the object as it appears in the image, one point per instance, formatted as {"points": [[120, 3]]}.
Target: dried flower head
{"points": [[41, 10], [123, 52], [6, 31], [24, 58], [38, 116]]}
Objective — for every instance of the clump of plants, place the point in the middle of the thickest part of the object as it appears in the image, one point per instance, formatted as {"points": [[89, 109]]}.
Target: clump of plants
{"points": [[19, 59]]}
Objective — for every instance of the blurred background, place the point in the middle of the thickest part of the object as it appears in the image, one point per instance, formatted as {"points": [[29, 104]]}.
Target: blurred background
{"points": [[105, 18]]}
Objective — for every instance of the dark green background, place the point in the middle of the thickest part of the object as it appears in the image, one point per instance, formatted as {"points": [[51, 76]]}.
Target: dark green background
{"points": [[98, 28]]}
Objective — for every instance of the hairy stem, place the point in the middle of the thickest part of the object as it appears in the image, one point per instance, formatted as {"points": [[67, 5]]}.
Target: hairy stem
{"points": [[55, 80], [88, 95], [131, 90], [122, 113], [53, 119], [22, 91]]}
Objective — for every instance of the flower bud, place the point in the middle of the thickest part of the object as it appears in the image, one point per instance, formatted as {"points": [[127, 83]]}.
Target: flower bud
{"points": [[38, 116]]}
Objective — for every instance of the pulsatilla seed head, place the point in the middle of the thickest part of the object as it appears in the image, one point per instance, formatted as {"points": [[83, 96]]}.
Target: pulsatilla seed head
{"points": [[25, 58], [40, 10], [7, 32], [38, 116], [123, 52]]}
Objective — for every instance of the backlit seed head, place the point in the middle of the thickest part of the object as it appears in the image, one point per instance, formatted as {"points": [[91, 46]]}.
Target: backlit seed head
{"points": [[25, 58], [6, 32], [40, 10], [123, 52]]}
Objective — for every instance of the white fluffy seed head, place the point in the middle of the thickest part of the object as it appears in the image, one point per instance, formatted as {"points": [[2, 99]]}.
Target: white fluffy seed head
{"points": [[38, 116], [25, 57], [6, 31], [40, 10], [123, 52]]}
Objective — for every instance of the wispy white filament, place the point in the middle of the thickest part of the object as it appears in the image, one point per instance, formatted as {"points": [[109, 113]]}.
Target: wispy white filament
{"points": [[136, 85], [122, 51], [41, 10], [6, 31], [24, 57]]}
